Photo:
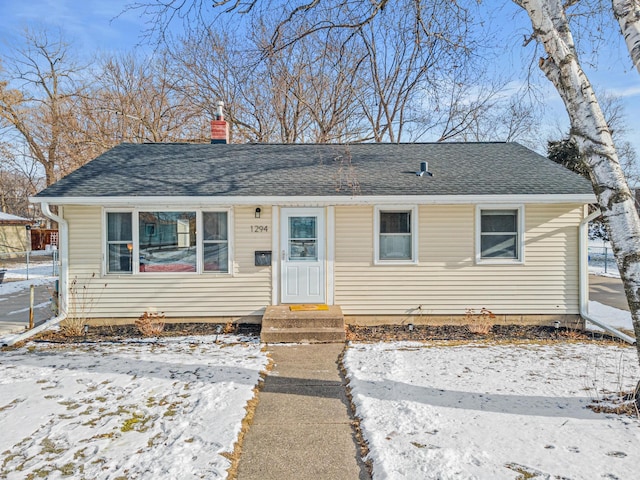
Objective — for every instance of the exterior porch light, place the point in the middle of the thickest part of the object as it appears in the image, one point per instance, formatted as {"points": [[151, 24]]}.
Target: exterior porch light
{"points": [[258, 211]]}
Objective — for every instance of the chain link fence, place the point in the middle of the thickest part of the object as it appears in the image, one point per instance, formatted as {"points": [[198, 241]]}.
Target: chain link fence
{"points": [[602, 258], [27, 261]]}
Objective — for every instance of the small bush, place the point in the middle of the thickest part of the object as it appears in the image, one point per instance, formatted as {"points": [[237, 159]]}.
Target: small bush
{"points": [[479, 323], [82, 295], [72, 327], [230, 327], [150, 324]]}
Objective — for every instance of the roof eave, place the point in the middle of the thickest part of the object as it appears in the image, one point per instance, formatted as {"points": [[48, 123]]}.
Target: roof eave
{"points": [[135, 201]]}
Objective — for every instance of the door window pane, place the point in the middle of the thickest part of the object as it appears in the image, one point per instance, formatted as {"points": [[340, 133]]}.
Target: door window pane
{"points": [[119, 242], [167, 241], [302, 227], [303, 239]]}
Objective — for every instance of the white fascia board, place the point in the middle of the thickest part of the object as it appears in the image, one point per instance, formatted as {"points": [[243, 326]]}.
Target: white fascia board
{"points": [[195, 202]]}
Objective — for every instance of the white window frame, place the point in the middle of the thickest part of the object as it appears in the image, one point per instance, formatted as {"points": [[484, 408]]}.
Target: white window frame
{"points": [[105, 241], [135, 219], [413, 209], [201, 241], [520, 224]]}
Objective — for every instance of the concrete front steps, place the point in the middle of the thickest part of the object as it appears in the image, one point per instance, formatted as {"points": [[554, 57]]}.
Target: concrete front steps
{"points": [[281, 325]]}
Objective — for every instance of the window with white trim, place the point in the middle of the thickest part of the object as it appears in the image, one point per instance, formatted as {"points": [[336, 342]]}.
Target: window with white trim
{"points": [[395, 235], [500, 236], [119, 242], [215, 242], [167, 241]]}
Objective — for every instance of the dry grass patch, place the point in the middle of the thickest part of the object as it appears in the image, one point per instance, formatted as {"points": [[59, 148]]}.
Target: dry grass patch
{"points": [[355, 419], [481, 322], [150, 324]]}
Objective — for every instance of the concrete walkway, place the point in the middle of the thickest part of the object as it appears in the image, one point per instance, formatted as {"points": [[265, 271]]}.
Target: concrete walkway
{"points": [[14, 309], [608, 291], [302, 428]]}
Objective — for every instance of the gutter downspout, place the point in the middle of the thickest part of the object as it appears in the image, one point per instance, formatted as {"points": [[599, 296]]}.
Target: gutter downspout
{"points": [[584, 281], [63, 283]]}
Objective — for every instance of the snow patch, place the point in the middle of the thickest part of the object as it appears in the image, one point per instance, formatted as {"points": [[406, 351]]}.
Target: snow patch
{"points": [[614, 317], [485, 411], [152, 409]]}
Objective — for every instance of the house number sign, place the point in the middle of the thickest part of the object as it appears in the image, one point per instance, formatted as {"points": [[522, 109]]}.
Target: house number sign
{"points": [[259, 229]]}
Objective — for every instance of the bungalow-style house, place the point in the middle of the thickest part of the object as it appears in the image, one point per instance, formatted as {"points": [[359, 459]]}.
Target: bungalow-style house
{"points": [[390, 233]]}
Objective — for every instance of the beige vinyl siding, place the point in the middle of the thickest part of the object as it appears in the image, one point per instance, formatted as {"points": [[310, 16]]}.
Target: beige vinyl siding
{"points": [[244, 292], [446, 279], [13, 238]]}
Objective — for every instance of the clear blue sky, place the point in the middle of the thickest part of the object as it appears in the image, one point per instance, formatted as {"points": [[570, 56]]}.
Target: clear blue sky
{"points": [[89, 24], [98, 25]]}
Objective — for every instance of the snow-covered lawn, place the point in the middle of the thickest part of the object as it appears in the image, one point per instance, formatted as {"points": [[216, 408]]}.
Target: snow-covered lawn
{"points": [[138, 410], [494, 411]]}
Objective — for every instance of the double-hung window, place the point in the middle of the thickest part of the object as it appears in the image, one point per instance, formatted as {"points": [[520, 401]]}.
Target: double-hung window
{"points": [[119, 242], [500, 235], [396, 239], [215, 242]]}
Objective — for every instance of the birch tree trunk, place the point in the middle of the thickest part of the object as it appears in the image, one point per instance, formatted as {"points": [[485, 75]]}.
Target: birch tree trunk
{"points": [[627, 13], [593, 137]]}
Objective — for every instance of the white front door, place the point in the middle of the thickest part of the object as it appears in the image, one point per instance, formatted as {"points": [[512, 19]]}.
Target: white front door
{"points": [[303, 255]]}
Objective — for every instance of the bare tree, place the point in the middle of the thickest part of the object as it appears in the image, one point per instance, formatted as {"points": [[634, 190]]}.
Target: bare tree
{"points": [[415, 53], [303, 93], [307, 71], [38, 93], [314, 85], [213, 66], [591, 133], [20, 177], [136, 99]]}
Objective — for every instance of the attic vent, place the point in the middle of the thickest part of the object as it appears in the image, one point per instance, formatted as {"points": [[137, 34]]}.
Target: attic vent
{"points": [[424, 170]]}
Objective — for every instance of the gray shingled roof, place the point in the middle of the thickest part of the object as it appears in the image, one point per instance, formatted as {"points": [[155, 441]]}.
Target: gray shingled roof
{"points": [[317, 170]]}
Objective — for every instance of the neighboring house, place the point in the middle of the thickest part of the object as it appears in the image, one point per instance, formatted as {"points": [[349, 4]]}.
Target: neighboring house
{"points": [[221, 231], [14, 236]]}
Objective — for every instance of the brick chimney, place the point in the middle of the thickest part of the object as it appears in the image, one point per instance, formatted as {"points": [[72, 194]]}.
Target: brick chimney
{"points": [[219, 126]]}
